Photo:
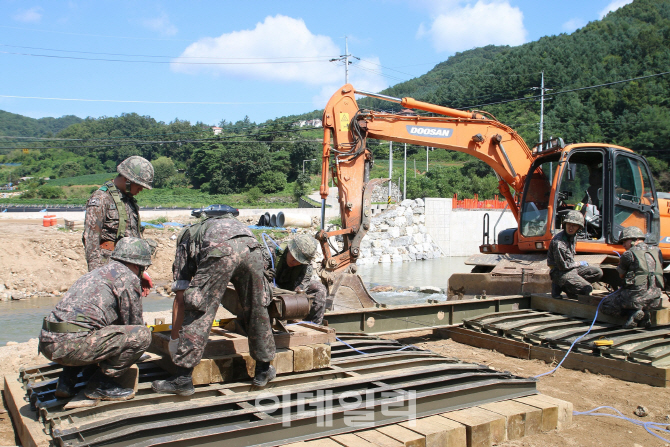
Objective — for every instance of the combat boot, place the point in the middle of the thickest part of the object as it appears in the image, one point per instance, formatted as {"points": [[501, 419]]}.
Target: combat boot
{"points": [[556, 291], [103, 387], [264, 373], [180, 384], [67, 381], [646, 320], [633, 317]]}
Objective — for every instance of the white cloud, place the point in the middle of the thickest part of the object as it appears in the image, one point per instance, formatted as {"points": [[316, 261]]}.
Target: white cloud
{"points": [[277, 39], [460, 28], [573, 24], [161, 25], [613, 6], [32, 15]]}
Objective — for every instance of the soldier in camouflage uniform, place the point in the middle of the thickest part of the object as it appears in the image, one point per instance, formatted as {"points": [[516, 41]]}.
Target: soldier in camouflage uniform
{"points": [[575, 278], [293, 271], [641, 268], [210, 254], [112, 213], [99, 320]]}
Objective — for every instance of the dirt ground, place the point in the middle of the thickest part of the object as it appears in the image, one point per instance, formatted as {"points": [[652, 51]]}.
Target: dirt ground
{"points": [[42, 261], [584, 389], [37, 260]]}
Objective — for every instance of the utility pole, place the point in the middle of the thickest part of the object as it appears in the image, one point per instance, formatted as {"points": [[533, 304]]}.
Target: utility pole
{"points": [[426, 158], [404, 178], [390, 169], [345, 58], [346, 62], [542, 90]]}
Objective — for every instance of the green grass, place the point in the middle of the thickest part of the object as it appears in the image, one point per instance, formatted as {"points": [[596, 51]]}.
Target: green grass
{"points": [[158, 220], [90, 179]]}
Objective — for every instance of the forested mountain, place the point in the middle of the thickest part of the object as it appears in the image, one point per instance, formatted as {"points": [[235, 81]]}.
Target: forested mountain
{"points": [[13, 124], [631, 42]]}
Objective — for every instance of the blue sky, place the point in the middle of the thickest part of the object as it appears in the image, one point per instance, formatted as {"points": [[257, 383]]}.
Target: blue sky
{"points": [[212, 60]]}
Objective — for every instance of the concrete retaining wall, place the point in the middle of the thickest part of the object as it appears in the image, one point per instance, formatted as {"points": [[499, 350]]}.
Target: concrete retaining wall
{"points": [[459, 232], [399, 235]]}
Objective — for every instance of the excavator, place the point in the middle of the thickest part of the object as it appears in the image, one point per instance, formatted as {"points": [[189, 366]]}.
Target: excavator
{"points": [[611, 185]]}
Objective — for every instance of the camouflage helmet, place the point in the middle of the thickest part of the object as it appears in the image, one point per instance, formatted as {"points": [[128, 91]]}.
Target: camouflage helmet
{"points": [[303, 248], [137, 170], [133, 250], [574, 217], [631, 233]]}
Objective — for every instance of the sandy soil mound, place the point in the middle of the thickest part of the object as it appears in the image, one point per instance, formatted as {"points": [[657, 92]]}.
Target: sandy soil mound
{"points": [[39, 261]]}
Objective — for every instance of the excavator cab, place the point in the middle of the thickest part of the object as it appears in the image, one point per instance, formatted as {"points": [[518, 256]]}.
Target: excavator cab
{"points": [[610, 186]]}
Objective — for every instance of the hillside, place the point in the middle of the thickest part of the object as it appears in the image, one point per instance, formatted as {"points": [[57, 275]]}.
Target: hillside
{"points": [[632, 42], [13, 124]]}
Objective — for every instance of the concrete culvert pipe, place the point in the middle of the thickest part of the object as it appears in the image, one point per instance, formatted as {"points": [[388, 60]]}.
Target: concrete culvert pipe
{"points": [[273, 220], [293, 220], [267, 219], [261, 221]]}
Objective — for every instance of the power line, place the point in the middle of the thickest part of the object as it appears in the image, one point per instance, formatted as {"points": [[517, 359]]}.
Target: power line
{"points": [[143, 143], [215, 138], [156, 102], [168, 57], [569, 91], [52, 56], [378, 73]]}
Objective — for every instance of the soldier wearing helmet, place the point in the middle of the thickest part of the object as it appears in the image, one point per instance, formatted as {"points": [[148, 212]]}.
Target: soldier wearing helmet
{"points": [[293, 271], [99, 322], [641, 269], [575, 278], [112, 213], [210, 254]]}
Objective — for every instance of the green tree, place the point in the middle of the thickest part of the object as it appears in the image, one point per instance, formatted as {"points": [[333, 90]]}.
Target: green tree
{"points": [[270, 182], [69, 169], [164, 170], [302, 186], [50, 192]]}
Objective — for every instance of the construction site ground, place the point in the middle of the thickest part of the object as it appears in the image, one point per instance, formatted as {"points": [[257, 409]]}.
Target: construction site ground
{"points": [[584, 389], [38, 259]]}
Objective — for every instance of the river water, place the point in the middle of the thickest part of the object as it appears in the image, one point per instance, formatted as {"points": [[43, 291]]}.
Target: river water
{"points": [[22, 320]]}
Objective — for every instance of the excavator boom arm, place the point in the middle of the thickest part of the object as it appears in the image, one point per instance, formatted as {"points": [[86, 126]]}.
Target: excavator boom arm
{"points": [[346, 130]]}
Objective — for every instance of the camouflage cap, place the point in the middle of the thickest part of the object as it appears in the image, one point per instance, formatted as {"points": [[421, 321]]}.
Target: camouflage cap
{"points": [[137, 170], [574, 217], [132, 250], [631, 233], [303, 248]]}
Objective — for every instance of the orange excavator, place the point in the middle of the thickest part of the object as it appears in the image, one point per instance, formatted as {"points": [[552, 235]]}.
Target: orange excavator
{"points": [[610, 184]]}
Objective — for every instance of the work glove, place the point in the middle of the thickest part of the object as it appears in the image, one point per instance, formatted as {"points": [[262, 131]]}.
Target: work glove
{"points": [[173, 344], [583, 263], [146, 283], [270, 274]]}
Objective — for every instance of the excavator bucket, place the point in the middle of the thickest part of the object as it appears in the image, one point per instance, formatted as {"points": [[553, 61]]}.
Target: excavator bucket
{"points": [[348, 293]]}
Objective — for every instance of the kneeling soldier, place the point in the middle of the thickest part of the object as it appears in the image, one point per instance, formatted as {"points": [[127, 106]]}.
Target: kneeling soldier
{"points": [[293, 271], [575, 278], [99, 321], [641, 268]]}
